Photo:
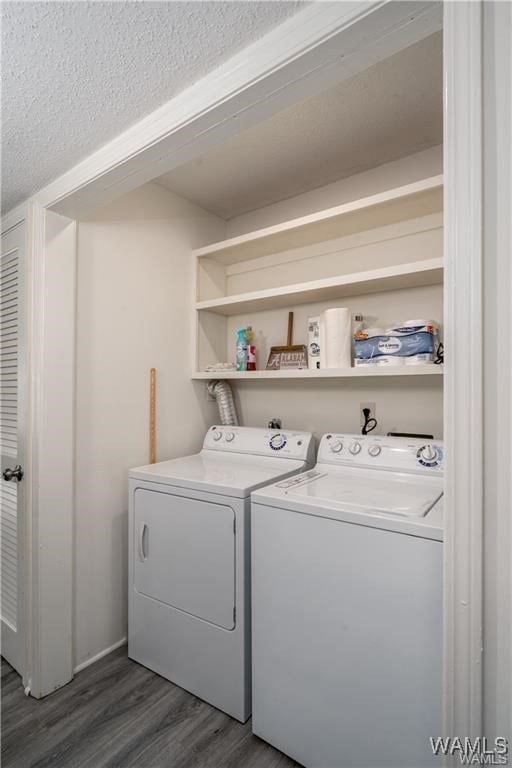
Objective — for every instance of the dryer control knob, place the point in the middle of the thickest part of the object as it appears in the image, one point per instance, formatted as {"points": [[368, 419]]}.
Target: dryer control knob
{"points": [[230, 437], [336, 446], [355, 448], [374, 450], [217, 435], [277, 441], [428, 453]]}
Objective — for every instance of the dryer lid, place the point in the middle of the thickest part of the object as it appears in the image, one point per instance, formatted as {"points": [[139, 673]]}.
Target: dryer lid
{"points": [[229, 474], [368, 491]]}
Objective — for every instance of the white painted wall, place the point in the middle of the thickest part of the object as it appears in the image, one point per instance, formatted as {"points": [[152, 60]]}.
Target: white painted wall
{"points": [[134, 312], [330, 405], [384, 177], [497, 383]]}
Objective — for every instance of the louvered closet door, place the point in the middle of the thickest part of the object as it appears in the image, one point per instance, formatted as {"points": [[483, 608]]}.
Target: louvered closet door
{"points": [[11, 368]]}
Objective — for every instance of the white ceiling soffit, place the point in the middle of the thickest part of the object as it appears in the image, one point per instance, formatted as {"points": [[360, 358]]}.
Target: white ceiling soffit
{"points": [[389, 111], [76, 74], [311, 51]]}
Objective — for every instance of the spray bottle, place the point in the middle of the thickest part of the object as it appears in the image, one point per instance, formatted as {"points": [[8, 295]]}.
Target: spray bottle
{"points": [[241, 349]]}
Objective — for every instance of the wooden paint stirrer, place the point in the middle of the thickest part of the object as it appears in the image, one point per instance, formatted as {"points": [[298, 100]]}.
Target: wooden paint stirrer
{"points": [[152, 415]]}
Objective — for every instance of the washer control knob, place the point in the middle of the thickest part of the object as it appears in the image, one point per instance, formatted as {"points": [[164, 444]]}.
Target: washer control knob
{"points": [[230, 437], [355, 448], [428, 453], [277, 441], [374, 450], [336, 446], [217, 435]]}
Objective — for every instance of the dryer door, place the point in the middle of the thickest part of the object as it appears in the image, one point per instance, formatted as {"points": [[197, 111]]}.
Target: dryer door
{"points": [[184, 554]]}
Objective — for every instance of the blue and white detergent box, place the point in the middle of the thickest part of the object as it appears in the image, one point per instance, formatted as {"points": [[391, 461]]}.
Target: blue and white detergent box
{"points": [[413, 342]]}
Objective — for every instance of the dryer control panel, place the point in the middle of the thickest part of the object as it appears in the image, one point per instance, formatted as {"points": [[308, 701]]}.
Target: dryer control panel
{"points": [[400, 454], [281, 443]]}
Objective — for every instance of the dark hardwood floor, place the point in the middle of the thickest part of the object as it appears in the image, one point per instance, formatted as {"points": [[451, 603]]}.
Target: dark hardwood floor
{"points": [[118, 713]]}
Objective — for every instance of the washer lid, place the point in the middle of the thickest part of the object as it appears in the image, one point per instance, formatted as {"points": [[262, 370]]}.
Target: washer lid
{"points": [[229, 474], [369, 491]]}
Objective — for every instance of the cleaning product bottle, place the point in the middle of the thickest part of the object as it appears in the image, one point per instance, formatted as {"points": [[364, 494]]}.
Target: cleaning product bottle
{"points": [[358, 334], [358, 325], [241, 349], [251, 349]]}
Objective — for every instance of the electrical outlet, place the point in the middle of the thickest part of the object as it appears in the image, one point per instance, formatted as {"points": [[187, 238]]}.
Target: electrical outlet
{"points": [[373, 412]]}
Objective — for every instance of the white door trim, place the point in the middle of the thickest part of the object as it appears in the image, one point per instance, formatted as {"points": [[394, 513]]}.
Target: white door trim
{"points": [[53, 448], [497, 379], [463, 414], [35, 322]]}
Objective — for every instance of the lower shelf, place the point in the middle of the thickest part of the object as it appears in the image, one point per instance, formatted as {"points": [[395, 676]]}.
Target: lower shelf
{"points": [[326, 373]]}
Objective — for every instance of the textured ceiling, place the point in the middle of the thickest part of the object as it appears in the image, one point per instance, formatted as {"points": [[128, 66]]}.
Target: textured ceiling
{"points": [[390, 110], [76, 74]]}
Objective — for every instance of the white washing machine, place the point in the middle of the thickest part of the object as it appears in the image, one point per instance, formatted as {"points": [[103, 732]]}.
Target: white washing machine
{"points": [[347, 606], [189, 559]]}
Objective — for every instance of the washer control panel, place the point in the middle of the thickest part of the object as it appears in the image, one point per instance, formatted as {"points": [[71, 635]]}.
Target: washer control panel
{"points": [[285, 444], [304, 477], [397, 453]]}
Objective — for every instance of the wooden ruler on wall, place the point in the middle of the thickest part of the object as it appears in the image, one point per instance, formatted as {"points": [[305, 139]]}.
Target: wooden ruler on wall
{"points": [[152, 415]]}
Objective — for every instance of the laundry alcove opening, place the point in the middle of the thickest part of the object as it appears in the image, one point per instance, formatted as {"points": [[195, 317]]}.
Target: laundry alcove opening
{"points": [[153, 290]]}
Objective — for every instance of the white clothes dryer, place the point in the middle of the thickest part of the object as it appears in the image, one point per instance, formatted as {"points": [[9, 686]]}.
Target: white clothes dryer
{"points": [[189, 559], [347, 606]]}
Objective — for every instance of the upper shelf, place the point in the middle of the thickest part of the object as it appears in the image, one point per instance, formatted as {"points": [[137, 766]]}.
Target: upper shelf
{"points": [[407, 202], [413, 275]]}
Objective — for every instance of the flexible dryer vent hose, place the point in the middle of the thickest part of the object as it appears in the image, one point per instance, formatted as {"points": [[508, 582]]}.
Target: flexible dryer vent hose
{"points": [[223, 393]]}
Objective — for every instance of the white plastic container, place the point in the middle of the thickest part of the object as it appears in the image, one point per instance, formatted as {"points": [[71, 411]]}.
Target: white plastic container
{"points": [[314, 342]]}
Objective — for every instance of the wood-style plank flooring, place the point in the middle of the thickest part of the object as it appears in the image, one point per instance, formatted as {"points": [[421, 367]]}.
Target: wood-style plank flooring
{"points": [[117, 713]]}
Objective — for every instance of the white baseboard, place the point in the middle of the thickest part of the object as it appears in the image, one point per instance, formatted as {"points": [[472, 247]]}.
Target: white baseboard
{"points": [[100, 655]]}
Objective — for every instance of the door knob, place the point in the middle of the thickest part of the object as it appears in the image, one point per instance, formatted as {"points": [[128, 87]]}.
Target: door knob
{"points": [[13, 474]]}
